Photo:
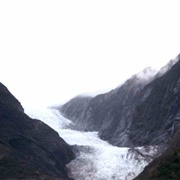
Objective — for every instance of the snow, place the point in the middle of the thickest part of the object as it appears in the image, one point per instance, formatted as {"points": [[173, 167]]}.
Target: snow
{"points": [[52, 117], [95, 159], [147, 74]]}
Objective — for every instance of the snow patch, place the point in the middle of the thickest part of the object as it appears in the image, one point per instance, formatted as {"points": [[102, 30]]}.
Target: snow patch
{"points": [[147, 74]]}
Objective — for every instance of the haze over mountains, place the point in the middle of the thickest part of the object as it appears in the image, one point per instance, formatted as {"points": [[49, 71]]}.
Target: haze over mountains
{"points": [[140, 119]]}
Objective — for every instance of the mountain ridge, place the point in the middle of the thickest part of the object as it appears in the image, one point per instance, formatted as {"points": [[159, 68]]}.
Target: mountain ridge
{"points": [[29, 149], [141, 114], [114, 114]]}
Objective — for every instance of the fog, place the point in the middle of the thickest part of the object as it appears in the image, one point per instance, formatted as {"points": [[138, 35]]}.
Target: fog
{"points": [[54, 50]]}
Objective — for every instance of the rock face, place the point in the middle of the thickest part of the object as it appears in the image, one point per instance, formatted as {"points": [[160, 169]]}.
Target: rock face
{"points": [[119, 112], [143, 111], [167, 166], [154, 118], [75, 108], [29, 149]]}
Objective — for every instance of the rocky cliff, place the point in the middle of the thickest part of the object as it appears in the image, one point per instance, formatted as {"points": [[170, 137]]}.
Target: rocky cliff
{"points": [[29, 149]]}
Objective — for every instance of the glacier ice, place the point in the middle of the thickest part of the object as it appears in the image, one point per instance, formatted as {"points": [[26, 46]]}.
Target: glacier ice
{"points": [[95, 159]]}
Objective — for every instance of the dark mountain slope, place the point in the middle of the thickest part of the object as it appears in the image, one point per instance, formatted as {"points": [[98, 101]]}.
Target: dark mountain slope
{"points": [[146, 117], [75, 108], [29, 149], [167, 166], [154, 118], [119, 110]]}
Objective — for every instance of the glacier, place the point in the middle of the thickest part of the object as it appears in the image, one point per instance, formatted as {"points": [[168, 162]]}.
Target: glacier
{"points": [[95, 159]]}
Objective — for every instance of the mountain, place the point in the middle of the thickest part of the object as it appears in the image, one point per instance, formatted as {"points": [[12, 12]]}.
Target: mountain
{"points": [[110, 114], [155, 117], [142, 111], [29, 149]]}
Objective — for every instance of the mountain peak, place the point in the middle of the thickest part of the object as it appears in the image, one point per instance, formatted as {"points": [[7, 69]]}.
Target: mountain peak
{"points": [[147, 74]]}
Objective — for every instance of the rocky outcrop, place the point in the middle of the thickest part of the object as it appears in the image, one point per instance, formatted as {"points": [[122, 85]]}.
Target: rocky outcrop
{"points": [[29, 149]]}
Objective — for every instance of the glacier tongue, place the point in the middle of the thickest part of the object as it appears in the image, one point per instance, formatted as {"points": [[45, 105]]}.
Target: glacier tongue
{"points": [[51, 117], [95, 159]]}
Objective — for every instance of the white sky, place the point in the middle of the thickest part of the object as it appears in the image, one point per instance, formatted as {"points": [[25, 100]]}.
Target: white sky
{"points": [[51, 50]]}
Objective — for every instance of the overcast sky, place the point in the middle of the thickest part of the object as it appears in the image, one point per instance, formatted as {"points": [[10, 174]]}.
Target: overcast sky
{"points": [[51, 50]]}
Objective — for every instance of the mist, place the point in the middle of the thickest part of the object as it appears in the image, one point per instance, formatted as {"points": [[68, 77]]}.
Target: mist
{"points": [[52, 51]]}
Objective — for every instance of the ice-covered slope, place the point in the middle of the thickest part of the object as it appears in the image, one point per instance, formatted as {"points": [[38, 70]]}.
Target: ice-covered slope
{"points": [[52, 117], [96, 159]]}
